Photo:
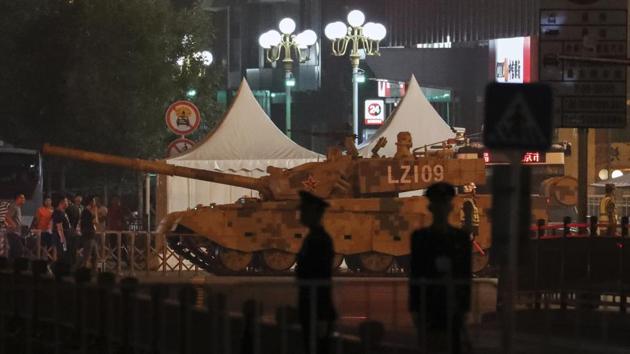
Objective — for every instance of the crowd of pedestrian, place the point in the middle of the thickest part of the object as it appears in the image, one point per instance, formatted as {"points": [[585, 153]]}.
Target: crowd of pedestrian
{"points": [[65, 227]]}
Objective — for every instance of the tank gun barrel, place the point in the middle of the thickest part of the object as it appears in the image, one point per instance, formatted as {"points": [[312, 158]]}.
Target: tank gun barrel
{"points": [[154, 167]]}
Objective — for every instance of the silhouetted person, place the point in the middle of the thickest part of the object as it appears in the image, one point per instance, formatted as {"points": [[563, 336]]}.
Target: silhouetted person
{"points": [[314, 264], [469, 214], [608, 211], [88, 244], [438, 253], [13, 220], [116, 215], [74, 211]]}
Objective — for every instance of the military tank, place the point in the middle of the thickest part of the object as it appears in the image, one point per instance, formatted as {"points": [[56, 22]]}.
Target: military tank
{"points": [[368, 221]]}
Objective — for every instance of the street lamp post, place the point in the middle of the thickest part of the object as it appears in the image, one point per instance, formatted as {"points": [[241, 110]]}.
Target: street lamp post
{"points": [[357, 36], [285, 45], [205, 57]]}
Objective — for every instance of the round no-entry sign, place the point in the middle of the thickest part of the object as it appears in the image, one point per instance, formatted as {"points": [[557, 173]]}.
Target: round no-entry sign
{"points": [[182, 117], [179, 146]]}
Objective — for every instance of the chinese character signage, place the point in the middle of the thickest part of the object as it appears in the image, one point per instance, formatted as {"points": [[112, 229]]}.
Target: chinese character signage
{"points": [[531, 157], [512, 60]]}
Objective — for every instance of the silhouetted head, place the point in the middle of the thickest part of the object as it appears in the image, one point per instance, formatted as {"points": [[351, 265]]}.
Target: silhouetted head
{"points": [[312, 209], [20, 199], [47, 201], [90, 201], [440, 196], [78, 198], [469, 188], [60, 203], [610, 188]]}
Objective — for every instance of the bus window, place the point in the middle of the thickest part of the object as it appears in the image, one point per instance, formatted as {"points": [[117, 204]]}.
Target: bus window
{"points": [[19, 173]]}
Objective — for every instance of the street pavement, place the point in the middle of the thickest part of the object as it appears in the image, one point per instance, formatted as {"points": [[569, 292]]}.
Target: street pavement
{"points": [[384, 299]]}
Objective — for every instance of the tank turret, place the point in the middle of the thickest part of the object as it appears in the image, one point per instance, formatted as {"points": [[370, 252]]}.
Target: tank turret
{"points": [[339, 176]]}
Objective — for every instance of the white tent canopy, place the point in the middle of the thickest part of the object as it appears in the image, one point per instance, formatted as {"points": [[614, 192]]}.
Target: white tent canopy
{"points": [[415, 115], [619, 182], [245, 142]]}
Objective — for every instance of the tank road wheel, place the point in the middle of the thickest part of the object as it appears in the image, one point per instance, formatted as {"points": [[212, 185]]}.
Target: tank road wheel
{"points": [[480, 261], [404, 263], [277, 260], [374, 262], [353, 262], [233, 260], [337, 260]]}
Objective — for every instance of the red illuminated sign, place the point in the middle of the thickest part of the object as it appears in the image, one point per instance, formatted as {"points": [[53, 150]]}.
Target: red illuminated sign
{"points": [[528, 157]]}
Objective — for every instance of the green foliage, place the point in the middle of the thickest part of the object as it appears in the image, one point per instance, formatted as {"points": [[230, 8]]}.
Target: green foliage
{"points": [[99, 75]]}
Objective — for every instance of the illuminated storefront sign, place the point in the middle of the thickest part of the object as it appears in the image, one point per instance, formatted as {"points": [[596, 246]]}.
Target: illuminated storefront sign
{"points": [[374, 112], [388, 88], [512, 60], [528, 157]]}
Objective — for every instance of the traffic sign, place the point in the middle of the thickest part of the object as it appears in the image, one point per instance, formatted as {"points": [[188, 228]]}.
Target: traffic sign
{"points": [[518, 116], [182, 117], [587, 94], [374, 112], [179, 146]]}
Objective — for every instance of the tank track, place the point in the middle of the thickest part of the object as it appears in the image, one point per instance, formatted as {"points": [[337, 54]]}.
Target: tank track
{"points": [[203, 254], [204, 257]]}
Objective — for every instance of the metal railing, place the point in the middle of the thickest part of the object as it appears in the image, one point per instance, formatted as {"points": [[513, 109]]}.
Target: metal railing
{"points": [[39, 313], [121, 252]]}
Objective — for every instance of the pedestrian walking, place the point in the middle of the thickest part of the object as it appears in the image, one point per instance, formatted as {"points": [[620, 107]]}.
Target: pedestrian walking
{"points": [[74, 211], [608, 211], [88, 244], [440, 272], [60, 227], [43, 223], [102, 215], [469, 213], [314, 273], [13, 221], [116, 215]]}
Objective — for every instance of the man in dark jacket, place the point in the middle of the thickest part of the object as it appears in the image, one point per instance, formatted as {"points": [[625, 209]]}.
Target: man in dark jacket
{"points": [[439, 289], [314, 272]]}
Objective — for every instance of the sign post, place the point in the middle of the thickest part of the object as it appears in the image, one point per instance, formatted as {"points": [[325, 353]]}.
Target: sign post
{"points": [[582, 44], [517, 119], [182, 118]]}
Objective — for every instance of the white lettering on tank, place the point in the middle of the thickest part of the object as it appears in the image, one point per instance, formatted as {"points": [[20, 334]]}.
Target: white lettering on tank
{"points": [[415, 174], [405, 175], [426, 173], [390, 179], [438, 172]]}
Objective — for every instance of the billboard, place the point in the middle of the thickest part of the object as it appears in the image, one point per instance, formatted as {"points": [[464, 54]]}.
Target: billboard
{"points": [[512, 60]]}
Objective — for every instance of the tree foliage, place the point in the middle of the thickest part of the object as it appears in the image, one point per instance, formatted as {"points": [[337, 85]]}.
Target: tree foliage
{"points": [[99, 75]]}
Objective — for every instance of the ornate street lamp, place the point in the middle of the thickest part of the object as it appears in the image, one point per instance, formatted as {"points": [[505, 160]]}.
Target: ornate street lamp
{"points": [[358, 36], [286, 46], [205, 57]]}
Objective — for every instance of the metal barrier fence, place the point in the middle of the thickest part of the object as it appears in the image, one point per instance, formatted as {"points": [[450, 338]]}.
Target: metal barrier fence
{"points": [[41, 314], [121, 252]]}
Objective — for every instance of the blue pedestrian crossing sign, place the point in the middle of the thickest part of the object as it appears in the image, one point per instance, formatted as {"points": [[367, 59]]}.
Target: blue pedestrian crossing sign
{"points": [[518, 117]]}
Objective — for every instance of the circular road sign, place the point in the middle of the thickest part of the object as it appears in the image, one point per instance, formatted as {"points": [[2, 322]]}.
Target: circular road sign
{"points": [[182, 117], [179, 146]]}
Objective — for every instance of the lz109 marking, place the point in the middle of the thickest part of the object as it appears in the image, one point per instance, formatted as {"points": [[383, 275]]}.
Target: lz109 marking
{"points": [[416, 174]]}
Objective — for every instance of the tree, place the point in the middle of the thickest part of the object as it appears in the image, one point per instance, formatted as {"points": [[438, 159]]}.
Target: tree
{"points": [[99, 75]]}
